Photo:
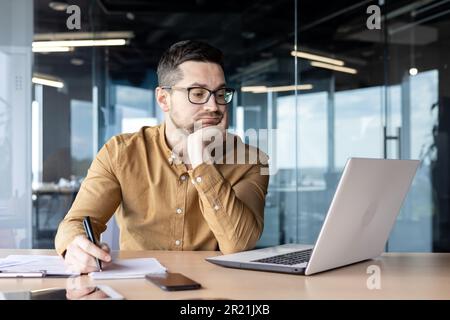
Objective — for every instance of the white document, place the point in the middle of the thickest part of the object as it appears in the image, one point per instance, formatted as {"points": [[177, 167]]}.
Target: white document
{"points": [[129, 268], [51, 265]]}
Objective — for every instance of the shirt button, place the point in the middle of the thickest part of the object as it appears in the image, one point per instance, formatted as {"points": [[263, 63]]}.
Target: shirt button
{"points": [[183, 177], [177, 242], [179, 210], [216, 207], [199, 179]]}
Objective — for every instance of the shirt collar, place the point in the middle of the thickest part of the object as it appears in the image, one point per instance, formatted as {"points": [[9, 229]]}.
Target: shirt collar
{"points": [[170, 156], [163, 143]]}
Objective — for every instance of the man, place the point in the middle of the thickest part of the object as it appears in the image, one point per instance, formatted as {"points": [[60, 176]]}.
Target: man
{"points": [[170, 192]]}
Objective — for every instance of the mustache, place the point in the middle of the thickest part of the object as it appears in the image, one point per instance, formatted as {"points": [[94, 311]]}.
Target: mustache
{"points": [[216, 114]]}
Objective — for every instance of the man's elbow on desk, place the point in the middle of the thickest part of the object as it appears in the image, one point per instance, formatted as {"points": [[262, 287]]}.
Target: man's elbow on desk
{"points": [[243, 242], [234, 249], [230, 247]]}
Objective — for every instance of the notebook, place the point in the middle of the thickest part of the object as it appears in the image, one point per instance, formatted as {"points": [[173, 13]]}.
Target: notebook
{"points": [[34, 266], [129, 268], [53, 266]]}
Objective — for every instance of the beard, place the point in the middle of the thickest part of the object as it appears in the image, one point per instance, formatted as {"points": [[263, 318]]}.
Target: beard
{"points": [[188, 128], [196, 123]]}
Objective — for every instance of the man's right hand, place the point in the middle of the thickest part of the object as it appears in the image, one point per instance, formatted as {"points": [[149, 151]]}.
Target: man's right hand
{"points": [[81, 253]]}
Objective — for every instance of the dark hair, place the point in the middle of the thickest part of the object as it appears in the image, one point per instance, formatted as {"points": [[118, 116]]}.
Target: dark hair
{"points": [[187, 50]]}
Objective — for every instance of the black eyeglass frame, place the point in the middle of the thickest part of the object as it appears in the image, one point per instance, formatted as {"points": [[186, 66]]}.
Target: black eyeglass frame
{"points": [[210, 93]]}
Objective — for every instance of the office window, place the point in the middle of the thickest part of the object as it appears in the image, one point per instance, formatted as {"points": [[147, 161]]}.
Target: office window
{"points": [[81, 141], [134, 108], [414, 230]]}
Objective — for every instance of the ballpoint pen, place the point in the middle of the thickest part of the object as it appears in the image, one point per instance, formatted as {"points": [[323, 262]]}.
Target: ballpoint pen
{"points": [[90, 234]]}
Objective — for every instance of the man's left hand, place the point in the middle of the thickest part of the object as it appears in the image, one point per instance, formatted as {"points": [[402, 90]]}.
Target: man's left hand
{"points": [[199, 142]]}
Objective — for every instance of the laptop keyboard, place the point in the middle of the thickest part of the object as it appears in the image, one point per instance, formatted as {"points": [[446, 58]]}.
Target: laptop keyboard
{"points": [[290, 258]]}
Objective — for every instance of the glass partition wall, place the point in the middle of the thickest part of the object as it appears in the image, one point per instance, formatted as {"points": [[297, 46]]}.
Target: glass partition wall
{"points": [[417, 78], [317, 82], [63, 113], [16, 34], [387, 101]]}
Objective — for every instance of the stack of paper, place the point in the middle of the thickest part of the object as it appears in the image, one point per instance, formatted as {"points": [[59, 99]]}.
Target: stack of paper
{"points": [[54, 266], [51, 265], [129, 268]]}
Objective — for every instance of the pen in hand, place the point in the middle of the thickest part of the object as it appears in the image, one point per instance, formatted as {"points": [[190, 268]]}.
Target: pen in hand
{"points": [[90, 234]]}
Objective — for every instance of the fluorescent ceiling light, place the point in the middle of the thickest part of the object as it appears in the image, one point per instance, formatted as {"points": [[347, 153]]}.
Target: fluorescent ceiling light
{"points": [[252, 88], [47, 81], [264, 89], [315, 57], [52, 49], [83, 35], [58, 5], [79, 43], [335, 68], [77, 62]]}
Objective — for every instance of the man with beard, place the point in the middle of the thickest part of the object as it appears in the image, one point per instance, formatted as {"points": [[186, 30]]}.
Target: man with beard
{"points": [[169, 191]]}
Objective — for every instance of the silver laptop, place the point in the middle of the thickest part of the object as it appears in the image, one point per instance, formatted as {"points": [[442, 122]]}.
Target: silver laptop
{"points": [[365, 206]]}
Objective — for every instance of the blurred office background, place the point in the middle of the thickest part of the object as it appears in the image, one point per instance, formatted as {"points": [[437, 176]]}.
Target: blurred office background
{"points": [[313, 71]]}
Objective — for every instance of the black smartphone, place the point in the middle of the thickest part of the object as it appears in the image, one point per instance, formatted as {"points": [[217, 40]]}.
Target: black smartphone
{"points": [[172, 281]]}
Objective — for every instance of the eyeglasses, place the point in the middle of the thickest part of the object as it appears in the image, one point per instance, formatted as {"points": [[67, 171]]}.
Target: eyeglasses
{"points": [[200, 95]]}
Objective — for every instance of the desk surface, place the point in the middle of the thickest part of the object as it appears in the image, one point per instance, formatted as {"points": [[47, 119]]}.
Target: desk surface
{"points": [[403, 276]]}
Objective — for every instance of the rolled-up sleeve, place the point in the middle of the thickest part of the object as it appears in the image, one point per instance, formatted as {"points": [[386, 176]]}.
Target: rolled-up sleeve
{"points": [[98, 197], [235, 214]]}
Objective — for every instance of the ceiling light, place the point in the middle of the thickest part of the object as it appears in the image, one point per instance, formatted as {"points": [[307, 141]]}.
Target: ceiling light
{"points": [[264, 89], [47, 80], [252, 88], [413, 71], [291, 88], [58, 5], [315, 57], [83, 35], [77, 62], [333, 67], [52, 49], [80, 43]]}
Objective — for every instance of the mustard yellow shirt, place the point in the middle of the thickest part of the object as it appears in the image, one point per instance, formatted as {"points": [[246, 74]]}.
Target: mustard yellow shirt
{"points": [[160, 205]]}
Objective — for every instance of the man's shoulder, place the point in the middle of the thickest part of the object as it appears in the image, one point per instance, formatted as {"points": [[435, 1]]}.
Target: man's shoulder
{"points": [[144, 135]]}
